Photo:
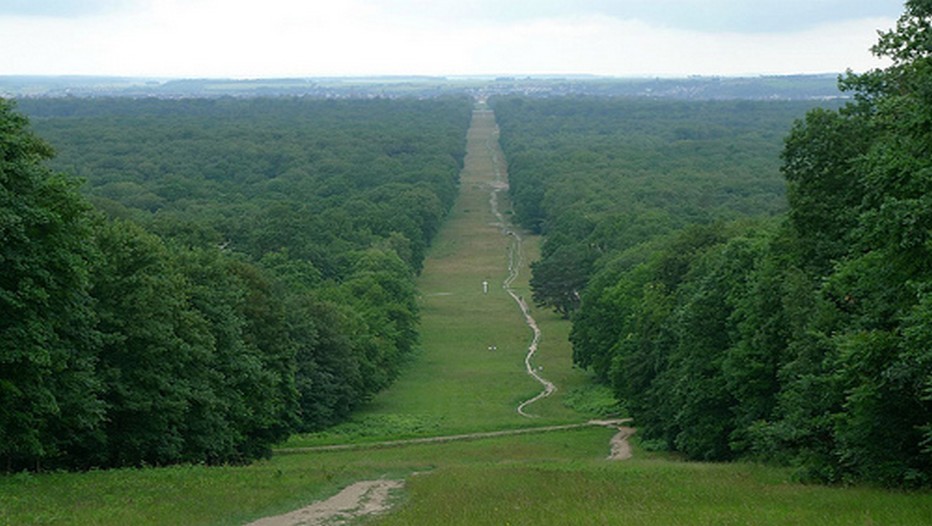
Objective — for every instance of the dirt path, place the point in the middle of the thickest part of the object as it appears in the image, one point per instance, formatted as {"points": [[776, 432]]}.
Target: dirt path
{"points": [[362, 498], [370, 497], [515, 259], [621, 449], [444, 438], [621, 437]]}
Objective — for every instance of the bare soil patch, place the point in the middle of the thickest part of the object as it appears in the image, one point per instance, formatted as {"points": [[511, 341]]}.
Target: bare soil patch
{"points": [[368, 497], [621, 449]]}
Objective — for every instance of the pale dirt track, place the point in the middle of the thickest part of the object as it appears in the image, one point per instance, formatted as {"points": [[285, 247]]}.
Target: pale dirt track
{"points": [[621, 449], [362, 498], [515, 259], [451, 438]]}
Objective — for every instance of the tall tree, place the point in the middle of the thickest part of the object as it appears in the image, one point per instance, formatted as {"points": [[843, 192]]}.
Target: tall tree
{"points": [[864, 217], [48, 391]]}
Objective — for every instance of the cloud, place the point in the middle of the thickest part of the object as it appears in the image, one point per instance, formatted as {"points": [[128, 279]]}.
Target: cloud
{"points": [[61, 8], [752, 17], [235, 38], [633, 48], [743, 16]]}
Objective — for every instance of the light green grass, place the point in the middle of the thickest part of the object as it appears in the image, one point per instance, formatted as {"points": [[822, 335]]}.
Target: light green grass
{"points": [[642, 491], [553, 478], [457, 377]]}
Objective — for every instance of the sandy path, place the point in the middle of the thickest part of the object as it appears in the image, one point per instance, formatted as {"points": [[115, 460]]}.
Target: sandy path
{"points": [[622, 436], [621, 449], [371, 496], [515, 260], [362, 498]]}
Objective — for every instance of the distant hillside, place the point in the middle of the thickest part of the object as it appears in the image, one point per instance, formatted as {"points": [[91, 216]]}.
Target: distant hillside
{"points": [[794, 87]]}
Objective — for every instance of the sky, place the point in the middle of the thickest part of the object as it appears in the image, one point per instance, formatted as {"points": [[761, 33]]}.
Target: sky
{"points": [[317, 38]]}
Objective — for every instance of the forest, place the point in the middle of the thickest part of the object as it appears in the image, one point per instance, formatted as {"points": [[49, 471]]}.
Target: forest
{"points": [[598, 176], [231, 271], [730, 327]]}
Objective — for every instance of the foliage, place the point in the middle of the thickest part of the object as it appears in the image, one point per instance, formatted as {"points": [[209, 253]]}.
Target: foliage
{"points": [[874, 369], [47, 337], [254, 277], [599, 176], [594, 399]]}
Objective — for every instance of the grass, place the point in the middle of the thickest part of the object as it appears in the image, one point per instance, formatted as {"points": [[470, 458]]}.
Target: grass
{"points": [[642, 491], [457, 385], [551, 478]]}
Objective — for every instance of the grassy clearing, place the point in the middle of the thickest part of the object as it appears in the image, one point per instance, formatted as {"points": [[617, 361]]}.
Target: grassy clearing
{"points": [[552, 478]]}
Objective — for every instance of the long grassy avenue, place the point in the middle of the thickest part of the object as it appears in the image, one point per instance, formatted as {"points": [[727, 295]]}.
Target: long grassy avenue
{"points": [[470, 375]]}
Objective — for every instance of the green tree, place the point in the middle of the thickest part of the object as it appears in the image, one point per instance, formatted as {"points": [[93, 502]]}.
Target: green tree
{"points": [[48, 392], [329, 377], [823, 188], [856, 378], [155, 354]]}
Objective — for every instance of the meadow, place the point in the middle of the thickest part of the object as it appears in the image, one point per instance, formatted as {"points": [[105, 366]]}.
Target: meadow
{"points": [[552, 478]]}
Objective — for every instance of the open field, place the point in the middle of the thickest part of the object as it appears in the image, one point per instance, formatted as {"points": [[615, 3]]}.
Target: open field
{"points": [[455, 385], [554, 478]]}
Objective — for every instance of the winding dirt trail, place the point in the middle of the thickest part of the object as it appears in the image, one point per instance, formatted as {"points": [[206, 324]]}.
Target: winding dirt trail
{"points": [[515, 259]]}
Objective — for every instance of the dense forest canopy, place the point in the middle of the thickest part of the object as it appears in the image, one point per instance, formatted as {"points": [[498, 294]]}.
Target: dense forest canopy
{"points": [[266, 174], [599, 176], [246, 269], [804, 339]]}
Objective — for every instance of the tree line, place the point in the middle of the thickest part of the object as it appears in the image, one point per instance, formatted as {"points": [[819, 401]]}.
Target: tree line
{"points": [[802, 338], [600, 175], [233, 271]]}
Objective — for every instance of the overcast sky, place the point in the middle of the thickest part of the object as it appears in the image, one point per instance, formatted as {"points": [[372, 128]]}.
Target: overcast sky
{"points": [[308, 38]]}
